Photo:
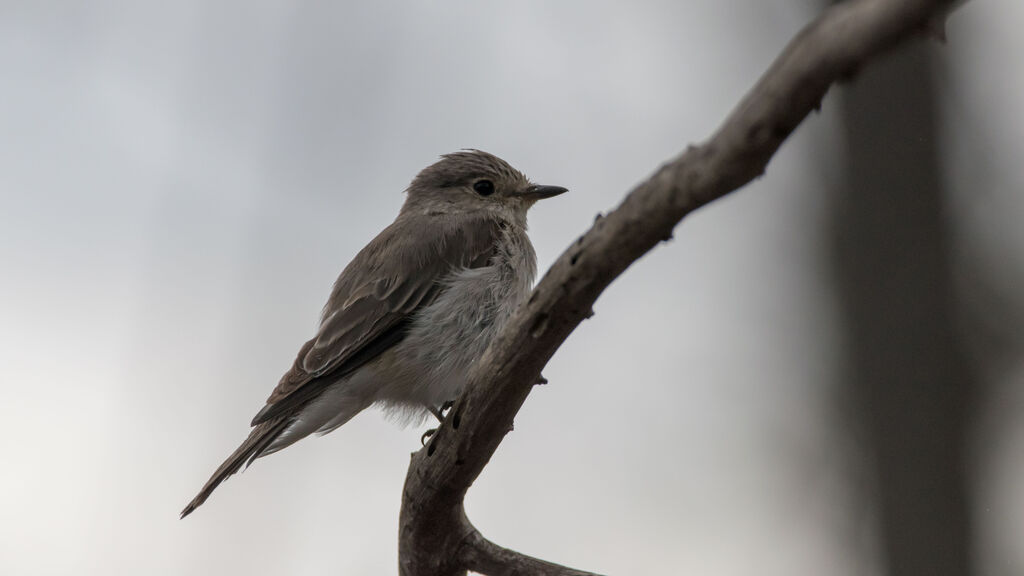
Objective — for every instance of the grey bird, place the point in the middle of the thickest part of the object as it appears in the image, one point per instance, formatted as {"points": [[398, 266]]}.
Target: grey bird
{"points": [[412, 312]]}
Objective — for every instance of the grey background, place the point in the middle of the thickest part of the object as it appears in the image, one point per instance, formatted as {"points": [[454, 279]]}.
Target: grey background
{"points": [[181, 183]]}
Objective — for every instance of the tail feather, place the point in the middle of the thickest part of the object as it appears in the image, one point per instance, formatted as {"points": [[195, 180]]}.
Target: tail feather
{"points": [[253, 447]]}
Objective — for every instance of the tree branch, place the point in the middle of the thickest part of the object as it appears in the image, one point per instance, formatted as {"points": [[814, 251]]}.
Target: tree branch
{"points": [[485, 557], [435, 537]]}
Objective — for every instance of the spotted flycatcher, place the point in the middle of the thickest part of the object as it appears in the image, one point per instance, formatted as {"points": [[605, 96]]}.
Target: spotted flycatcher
{"points": [[414, 309]]}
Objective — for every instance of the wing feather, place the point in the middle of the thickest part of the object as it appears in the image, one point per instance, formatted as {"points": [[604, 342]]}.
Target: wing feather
{"points": [[375, 297]]}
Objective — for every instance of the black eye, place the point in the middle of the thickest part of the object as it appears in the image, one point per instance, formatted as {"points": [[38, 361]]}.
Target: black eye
{"points": [[484, 187]]}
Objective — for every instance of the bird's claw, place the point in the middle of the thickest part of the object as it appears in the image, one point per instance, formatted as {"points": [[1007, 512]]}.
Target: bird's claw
{"points": [[426, 435], [439, 413]]}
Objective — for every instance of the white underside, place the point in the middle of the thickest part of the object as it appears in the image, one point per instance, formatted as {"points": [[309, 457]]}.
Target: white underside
{"points": [[429, 366]]}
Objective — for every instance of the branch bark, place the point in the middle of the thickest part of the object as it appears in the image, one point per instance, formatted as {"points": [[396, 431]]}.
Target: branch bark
{"points": [[481, 555], [435, 537]]}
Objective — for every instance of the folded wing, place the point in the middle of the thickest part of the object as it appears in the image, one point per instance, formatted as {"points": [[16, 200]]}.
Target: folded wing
{"points": [[374, 300]]}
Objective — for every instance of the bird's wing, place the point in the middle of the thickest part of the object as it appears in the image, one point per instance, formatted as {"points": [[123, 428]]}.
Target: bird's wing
{"points": [[375, 298]]}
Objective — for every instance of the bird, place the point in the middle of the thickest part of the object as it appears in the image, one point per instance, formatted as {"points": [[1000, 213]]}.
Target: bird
{"points": [[412, 312]]}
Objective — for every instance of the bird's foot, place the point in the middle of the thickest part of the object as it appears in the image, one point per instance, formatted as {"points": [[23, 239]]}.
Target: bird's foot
{"points": [[427, 435], [440, 413]]}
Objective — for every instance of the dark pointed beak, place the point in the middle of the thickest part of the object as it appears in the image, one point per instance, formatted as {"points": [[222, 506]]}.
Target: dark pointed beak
{"points": [[539, 192]]}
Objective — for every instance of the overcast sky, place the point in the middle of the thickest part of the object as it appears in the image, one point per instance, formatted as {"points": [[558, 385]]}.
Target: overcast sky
{"points": [[181, 182]]}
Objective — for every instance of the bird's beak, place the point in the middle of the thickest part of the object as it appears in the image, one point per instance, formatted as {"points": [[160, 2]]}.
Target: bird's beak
{"points": [[539, 192]]}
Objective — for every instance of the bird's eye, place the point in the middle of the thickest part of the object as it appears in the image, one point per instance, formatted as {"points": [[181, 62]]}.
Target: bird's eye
{"points": [[484, 187]]}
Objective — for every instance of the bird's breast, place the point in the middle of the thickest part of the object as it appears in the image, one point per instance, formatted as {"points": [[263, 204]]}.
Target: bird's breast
{"points": [[448, 336]]}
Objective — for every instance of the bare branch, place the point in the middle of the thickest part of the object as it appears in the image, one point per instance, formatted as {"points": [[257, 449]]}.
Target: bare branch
{"points": [[485, 557], [433, 526]]}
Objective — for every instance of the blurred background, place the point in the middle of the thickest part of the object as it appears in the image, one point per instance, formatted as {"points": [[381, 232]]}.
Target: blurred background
{"points": [[822, 374]]}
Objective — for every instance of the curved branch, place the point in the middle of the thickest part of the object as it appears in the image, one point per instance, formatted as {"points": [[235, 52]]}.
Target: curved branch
{"points": [[485, 557], [433, 525]]}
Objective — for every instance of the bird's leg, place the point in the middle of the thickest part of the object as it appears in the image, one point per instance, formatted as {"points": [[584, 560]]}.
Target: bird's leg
{"points": [[440, 414]]}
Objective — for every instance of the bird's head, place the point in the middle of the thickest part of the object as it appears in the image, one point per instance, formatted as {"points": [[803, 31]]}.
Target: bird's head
{"points": [[473, 181]]}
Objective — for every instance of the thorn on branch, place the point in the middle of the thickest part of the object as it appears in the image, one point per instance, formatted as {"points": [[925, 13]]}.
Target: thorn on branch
{"points": [[585, 314], [541, 380]]}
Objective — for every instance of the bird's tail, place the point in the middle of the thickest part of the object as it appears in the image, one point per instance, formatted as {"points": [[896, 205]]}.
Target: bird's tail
{"points": [[254, 446]]}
